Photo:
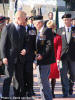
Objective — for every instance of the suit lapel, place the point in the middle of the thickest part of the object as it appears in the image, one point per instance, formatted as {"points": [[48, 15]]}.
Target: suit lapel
{"points": [[63, 31], [64, 35], [15, 33]]}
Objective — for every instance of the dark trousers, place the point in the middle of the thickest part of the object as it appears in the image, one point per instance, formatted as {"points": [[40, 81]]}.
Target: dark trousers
{"points": [[67, 66], [28, 76], [8, 78], [15, 71], [18, 82]]}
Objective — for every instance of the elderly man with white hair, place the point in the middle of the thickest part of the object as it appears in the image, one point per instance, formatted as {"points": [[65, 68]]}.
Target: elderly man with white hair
{"points": [[45, 56]]}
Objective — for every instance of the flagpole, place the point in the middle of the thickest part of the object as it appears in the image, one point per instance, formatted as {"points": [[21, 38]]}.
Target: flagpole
{"points": [[16, 2], [3, 7], [11, 9], [57, 17]]}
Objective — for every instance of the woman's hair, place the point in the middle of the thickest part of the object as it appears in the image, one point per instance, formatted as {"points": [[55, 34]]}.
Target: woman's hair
{"points": [[51, 24]]}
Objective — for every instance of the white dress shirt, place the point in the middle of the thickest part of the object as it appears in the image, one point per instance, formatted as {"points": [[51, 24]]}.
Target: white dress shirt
{"points": [[68, 33]]}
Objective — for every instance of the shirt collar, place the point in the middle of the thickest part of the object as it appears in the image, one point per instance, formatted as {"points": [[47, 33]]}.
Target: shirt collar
{"points": [[16, 25], [67, 28], [31, 25]]}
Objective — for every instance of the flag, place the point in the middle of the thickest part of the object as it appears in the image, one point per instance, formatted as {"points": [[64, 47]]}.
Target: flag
{"points": [[57, 19], [16, 2], [40, 11]]}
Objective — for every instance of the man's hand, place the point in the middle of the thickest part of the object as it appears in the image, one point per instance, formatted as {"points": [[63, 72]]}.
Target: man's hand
{"points": [[58, 64], [5, 61], [39, 57], [23, 52], [34, 66]]}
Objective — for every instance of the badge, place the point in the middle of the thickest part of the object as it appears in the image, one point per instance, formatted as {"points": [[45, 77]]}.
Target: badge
{"points": [[42, 38], [32, 32]]}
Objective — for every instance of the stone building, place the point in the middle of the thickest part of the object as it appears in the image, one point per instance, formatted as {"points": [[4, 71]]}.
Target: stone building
{"points": [[27, 5]]}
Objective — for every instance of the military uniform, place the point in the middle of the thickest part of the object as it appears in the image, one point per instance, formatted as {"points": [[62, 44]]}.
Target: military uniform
{"points": [[30, 56]]}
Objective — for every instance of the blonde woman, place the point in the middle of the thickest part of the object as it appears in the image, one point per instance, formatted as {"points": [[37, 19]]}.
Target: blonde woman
{"points": [[54, 71]]}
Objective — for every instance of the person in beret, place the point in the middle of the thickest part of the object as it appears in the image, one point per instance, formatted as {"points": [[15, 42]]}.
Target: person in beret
{"points": [[66, 16], [28, 66], [2, 22], [30, 21], [44, 57], [2, 19], [67, 64]]}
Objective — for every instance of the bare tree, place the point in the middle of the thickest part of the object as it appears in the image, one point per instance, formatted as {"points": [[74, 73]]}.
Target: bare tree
{"points": [[3, 7]]}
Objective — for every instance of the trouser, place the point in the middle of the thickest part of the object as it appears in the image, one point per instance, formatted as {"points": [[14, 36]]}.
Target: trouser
{"points": [[67, 66], [7, 81], [28, 76], [18, 82], [15, 70], [45, 90]]}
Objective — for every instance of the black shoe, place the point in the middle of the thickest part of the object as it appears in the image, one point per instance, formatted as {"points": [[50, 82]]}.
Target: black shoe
{"points": [[29, 94], [53, 95], [33, 94], [71, 92]]}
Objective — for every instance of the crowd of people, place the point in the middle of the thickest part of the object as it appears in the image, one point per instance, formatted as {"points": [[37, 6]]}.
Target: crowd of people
{"points": [[33, 41]]}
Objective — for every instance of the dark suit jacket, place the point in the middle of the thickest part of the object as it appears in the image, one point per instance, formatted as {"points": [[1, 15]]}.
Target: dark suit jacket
{"points": [[46, 47], [12, 42], [71, 50], [31, 43], [65, 45]]}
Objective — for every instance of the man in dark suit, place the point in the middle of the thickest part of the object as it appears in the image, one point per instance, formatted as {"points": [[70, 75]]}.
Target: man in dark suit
{"points": [[28, 66], [67, 64], [72, 53], [72, 57], [13, 49], [45, 56]]}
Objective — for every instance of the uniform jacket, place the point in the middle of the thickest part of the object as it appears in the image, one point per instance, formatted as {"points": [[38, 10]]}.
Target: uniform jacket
{"points": [[71, 51], [31, 43], [45, 47], [65, 45]]}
